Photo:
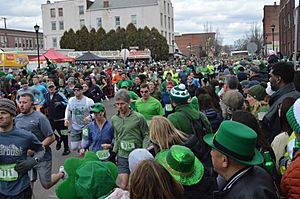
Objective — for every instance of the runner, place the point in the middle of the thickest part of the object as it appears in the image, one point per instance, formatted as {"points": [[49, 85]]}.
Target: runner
{"points": [[78, 110], [14, 164], [39, 125], [131, 132]]}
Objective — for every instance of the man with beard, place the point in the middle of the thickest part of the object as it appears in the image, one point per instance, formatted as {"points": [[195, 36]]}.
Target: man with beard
{"points": [[281, 79], [39, 125], [14, 163]]}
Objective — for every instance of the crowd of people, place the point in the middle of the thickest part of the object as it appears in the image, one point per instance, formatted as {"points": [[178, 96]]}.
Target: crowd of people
{"points": [[223, 128]]}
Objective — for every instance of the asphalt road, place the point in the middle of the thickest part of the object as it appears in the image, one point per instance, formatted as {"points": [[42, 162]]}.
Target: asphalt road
{"points": [[58, 160]]}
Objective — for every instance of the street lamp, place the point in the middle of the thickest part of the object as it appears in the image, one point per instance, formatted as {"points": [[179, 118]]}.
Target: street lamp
{"points": [[273, 29], [190, 45], [36, 28]]}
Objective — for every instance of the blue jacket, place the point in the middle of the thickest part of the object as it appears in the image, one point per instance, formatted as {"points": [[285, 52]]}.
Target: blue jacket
{"points": [[97, 137]]}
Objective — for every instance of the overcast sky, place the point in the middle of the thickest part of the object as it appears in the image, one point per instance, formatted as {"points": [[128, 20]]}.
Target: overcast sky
{"points": [[232, 18]]}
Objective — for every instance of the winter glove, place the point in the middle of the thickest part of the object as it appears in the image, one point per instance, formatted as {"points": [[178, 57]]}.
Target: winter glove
{"points": [[25, 165]]}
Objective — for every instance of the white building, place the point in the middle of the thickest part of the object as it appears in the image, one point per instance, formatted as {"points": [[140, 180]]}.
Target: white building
{"points": [[61, 16]]}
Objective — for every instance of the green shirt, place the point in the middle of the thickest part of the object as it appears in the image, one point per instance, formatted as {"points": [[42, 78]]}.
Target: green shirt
{"points": [[133, 96], [131, 132], [149, 108]]}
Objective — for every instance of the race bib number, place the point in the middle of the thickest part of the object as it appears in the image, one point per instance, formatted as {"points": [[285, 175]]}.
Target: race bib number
{"points": [[127, 146], [85, 132], [8, 173], [103, 154], [64, 132], [169, 107]]}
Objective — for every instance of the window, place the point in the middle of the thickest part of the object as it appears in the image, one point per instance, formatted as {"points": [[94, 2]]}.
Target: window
{"points": [[81, 23], [133, 19], [117, 19], [99, 22], [16, 41], [289, 20], [161, 20], [27, 43], [30, 43], [20, 42], [168, 8], [81, 10], [41, 43], [60, 12], [54, 42], [162, 33], [170, 38], [61, 25], [169, 23], [52, 12], [172, 25], [165, 21], [53, 25], [164, 6]]}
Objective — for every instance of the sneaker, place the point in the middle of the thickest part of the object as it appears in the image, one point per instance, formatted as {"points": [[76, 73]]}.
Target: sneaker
{"points": [[62, 170], [58, 145], [66, 152]]}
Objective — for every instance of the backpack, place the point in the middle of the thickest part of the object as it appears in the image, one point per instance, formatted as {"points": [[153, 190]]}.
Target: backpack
{"points": [[195, 141]]}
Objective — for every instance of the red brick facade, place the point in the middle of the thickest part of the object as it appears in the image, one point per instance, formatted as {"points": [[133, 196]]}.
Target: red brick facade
{"points": [[19, 39], [271, 17], [197, 44]]}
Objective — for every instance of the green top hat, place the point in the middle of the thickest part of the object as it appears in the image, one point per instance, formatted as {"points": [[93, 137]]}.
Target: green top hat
{"points": [[237, 141], [97, 107], [182, 164]]}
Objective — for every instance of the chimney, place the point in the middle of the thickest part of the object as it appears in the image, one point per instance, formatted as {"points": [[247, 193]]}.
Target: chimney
{"points": [[105, 3]]}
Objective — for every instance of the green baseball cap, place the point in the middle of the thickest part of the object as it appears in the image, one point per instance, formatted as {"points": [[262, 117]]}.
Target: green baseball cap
{"points": [[237, 141], [97, 107]]}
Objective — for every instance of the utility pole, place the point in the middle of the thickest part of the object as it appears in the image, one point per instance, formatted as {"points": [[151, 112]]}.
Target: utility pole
{"points": [[5, 27]]}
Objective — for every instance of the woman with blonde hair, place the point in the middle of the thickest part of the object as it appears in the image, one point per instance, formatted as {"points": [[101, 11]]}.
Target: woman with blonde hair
{"points": [[150, 180], [163, 134]]}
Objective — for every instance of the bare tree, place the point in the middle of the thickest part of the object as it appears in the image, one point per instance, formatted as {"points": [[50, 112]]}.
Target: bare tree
{"points": [[256, 36]]}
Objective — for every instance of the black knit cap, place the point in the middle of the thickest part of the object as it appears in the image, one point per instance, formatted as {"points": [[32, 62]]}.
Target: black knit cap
{"points": [[284, 70], [8, 105]]}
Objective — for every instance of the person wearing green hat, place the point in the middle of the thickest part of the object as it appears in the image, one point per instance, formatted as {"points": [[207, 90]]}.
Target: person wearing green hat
{"points": [[187, 169], [179, 99], [87, 178], [99, 133], [235, 158], [256, 100]]}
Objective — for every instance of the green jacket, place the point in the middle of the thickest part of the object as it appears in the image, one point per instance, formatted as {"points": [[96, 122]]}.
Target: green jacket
{"points": [[130, 133], [180, 121]]}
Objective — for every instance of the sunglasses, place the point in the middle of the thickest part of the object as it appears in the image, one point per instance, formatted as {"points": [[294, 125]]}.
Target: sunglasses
{"points": [[144, 91], [76, 89]]}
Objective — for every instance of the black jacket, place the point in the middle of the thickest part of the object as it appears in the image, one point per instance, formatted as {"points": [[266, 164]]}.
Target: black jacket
{"points": [[255, 183], [271, 122], [203, 189], [56, 106]]}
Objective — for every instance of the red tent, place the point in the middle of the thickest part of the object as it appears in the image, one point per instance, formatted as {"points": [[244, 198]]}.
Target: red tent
{"points": [[54, 56]]}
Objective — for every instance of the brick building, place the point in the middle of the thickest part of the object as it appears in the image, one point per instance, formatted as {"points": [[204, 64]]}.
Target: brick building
{"points": [[197, 44], [286, 27], [271, 21], [25, 40]]}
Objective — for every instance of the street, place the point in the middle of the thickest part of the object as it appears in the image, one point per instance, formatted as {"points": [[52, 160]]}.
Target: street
{"points": [[58, 160]]}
